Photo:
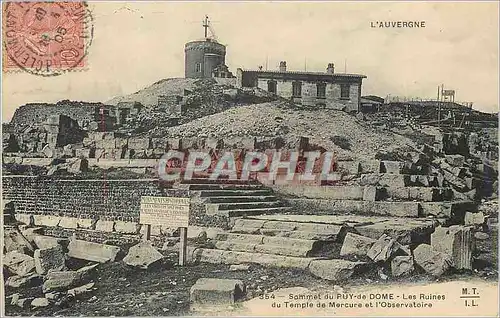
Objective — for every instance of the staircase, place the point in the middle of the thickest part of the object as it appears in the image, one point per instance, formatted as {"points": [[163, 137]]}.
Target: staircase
{"points": [[234, 198]]}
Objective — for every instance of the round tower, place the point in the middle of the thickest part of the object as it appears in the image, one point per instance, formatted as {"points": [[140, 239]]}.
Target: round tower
{"points": [[201, 57]]}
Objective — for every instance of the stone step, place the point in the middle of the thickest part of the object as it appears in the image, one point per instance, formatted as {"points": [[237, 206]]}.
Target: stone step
{"points": [[307, 231], [329, 269], [241, 198], [241, 205], [248, 212], [219, 181], [217, 186], [405, 230], [298, 251], [235, 192], [264, 239], [336, 207], [217, 256]]}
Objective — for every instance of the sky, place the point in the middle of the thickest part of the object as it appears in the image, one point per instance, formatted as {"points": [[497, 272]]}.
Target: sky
{"points": [[137, 44]]}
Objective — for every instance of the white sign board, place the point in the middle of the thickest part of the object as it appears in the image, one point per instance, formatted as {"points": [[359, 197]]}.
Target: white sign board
{"points": [[165, 211]]}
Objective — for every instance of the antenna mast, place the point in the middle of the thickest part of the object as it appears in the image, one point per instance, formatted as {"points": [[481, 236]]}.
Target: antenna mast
{"points": [[206, 25]]}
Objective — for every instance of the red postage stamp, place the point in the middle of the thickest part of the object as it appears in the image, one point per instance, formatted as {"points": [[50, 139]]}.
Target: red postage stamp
{"points": [[46, 38]]}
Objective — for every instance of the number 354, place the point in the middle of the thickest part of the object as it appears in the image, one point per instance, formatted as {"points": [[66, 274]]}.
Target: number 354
{"points": [[267, 296]]}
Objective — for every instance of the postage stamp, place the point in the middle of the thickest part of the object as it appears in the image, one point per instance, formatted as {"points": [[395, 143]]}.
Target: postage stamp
{"points": [[250, 159], [46, 38]]}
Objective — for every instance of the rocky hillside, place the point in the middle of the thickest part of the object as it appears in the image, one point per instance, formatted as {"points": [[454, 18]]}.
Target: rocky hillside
{"points": [[331, 129], [149, 95]]}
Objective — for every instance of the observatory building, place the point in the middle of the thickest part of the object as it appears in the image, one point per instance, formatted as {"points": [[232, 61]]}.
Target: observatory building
{"points": [[205, 58]]}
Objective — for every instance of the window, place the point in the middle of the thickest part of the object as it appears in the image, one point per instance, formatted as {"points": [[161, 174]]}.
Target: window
{"points": [[197, 67], [321, 90], [271, 87], [297, 89], [344, 90]]}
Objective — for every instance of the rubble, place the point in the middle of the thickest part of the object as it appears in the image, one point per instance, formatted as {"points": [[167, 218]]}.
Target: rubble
{"points": [[60, 280], [474, 218], [481, 236], [40, 302], [383, 249], [30, 232], [96, 252], [457, 242], [81, 290], [23, 281], [24, 302], [214, 292], [44, 242], [49, 259], [239, 267], [432, 261], [15, 241], [402, 266], [142, 255], [334, 269], [355, 244], [18, 263]]}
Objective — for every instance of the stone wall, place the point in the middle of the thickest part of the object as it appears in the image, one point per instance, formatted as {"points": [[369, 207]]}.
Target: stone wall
{"points": [[107, 200], [38, 112]]}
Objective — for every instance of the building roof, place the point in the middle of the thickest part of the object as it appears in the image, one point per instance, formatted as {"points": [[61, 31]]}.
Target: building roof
{"points": [[303, 73], [369, 101]]}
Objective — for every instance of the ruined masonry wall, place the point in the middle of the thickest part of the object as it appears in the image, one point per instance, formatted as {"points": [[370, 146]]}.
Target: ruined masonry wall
{"points": [[109, 200], [32, 113]]}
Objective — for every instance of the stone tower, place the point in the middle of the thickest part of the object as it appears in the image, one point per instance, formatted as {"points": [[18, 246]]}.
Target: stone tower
{"points": [[203, 56]]}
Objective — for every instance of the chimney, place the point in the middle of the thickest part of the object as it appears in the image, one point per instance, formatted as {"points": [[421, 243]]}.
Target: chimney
{"points": [[330, 69], [283, 66]]}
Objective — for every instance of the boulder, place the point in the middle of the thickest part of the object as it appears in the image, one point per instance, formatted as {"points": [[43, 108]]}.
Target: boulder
{"points": [[214, 292], [30, 232], [23, 281], [126, 227], [142, 255], [105, 226], [60, 280], [457, 242], [68, 222], [334, 269], [18, 263], [239, 267], [455, 160], [474, 218], [15, 241], [14, 299], [81, 290], [402, 266], [481, 236], [77, 165], [95, 252], [24, 218], [24, 302], [355, 244], [432, 261], [43, 242], [48, 259], [40, 302], [86, 223], [383, 248]]}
